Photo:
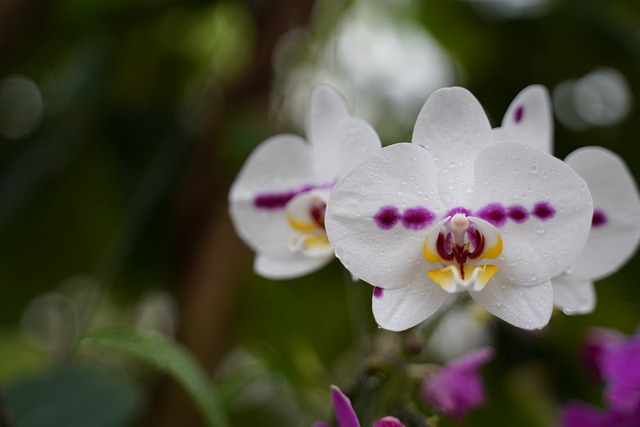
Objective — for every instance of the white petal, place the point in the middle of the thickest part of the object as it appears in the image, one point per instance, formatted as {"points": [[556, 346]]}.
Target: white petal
{"points": [[290, 267], [529, 119], [527, 307], [340, 142], [453, 127], [400, 178], [539, 247], [403, 308], [278, 166], [573, 296], [615, 196]]}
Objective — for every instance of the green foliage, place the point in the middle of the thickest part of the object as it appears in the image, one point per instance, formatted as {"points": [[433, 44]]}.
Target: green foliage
{"points": [[166, 356]]}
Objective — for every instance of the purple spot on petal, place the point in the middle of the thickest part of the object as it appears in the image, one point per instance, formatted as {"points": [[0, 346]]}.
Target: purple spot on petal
{"points": [[273, 200], [378, 292], [417, 218], [518, 214], [519, 114], [543, 211], [458, 209], [493, 213], [599, 218], [387, 217], [278, 200]]}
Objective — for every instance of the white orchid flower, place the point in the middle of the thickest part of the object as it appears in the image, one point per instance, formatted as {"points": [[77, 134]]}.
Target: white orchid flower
{"points": [[454, 211], [615, 234], [277, 202]]}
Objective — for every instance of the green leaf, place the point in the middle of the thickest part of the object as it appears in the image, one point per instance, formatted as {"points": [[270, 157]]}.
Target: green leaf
{"points": [[169, 357]]}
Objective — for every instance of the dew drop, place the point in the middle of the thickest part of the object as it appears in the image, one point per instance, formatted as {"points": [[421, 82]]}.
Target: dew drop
{"points": [[540, 229]]}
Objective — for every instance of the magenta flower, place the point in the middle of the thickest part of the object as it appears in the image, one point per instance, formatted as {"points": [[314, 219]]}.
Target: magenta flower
{"points": [[457, 387], [579, 414], [617, 361], [346, 416], [620, 367], [598, 342]]}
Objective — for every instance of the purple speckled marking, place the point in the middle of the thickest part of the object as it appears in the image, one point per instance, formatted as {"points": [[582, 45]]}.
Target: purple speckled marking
{"points": [[543, 211], [599, 218], [493, 213], [378, 292], [519, 114], [458, 209], [278, 200], [417, 218], [387, 217], [517, 214]]}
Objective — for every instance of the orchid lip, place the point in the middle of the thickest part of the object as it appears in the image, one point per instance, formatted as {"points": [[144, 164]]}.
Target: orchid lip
{"points": [[305, 215], [460, 243]]}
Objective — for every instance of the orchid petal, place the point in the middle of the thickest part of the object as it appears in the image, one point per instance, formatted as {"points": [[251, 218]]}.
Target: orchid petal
{"points": [[264, 227], [289, 267], [453, 127], [345, 414], [458, 386], [401, 309], [546, 243], [573, 296], [529, 119], [527, 307], [385, 250], [615, 233], [340, 141]]}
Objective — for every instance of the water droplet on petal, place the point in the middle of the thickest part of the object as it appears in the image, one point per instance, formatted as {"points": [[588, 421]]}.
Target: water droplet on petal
{"points": [[540, 228]]}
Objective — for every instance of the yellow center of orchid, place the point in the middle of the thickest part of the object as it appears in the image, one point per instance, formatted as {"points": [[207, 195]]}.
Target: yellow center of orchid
{"points": [[305, 215], [461, 244]]}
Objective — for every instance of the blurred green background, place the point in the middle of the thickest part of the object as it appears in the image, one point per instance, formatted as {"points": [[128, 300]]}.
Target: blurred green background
{"points": [[122, 125]]}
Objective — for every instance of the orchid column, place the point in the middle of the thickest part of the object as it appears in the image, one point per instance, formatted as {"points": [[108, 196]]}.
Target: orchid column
{"points": [[454, 211]]}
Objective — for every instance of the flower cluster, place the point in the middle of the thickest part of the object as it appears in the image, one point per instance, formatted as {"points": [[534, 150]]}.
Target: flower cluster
{"points": [[463, 208], [617, 360]]}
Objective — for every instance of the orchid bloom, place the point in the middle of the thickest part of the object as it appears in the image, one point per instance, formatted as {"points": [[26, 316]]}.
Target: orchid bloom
{"points": [[615, 234], [454, 211], [346, 416], [457, 387], [277, 202]]}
